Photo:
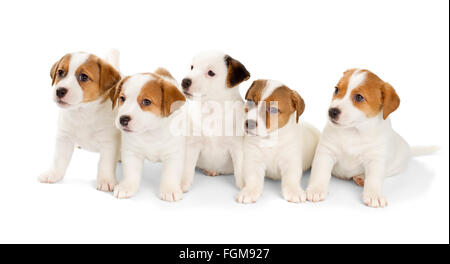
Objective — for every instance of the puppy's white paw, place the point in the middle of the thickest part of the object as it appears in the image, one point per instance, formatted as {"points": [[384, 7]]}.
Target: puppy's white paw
{"points": [[125, 190], [50, 176], [247, 195], [106, 184], [294, 194], [186, 185], [240, 182], [170, 193], [316, 193], [374, 199]]}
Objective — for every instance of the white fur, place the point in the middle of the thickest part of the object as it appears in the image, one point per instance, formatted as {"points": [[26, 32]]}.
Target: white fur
{"points": [[357, 145], [215, 149], [149, 137], [88, 125], [281, 155]]}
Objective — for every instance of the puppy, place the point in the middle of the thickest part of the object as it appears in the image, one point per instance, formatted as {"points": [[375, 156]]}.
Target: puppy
{"points": [[276, 145], [81, 85], [148, 104], [213, 86], [358, 141]]}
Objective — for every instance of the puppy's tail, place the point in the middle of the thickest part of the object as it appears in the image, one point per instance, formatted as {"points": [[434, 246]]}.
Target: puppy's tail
{"points": [[113, 58], [423, 150]]}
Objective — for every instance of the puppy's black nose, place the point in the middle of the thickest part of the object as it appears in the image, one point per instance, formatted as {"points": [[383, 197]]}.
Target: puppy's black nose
{"points": [[334, 112], [60, 92], [124, 120], [186, 83], [251, 124]]}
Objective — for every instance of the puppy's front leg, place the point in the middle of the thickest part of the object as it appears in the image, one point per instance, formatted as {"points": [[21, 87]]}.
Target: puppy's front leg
{"points": [[322, 167], [106, 176], [170, 188], [254, 181], [237, 156], [291, 174], [190, 161], [132, 164], [375, 173], [63, 154]]}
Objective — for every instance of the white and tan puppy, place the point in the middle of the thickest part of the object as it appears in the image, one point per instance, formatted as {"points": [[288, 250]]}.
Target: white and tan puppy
{"points": [[82, 83], [148, 104], [358, 141], [215, 141], [276, 145]]}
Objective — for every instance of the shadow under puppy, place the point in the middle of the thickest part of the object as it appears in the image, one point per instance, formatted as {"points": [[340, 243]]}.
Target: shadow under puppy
{"points": [[276, 145], [82, 83], [358, 141], [148, 104]]}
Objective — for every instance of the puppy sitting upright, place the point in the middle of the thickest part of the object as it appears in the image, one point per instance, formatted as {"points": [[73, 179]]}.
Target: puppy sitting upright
{"points": [[213, 86], [148, 104], [81, 84], [358, 141], [275, 143]]}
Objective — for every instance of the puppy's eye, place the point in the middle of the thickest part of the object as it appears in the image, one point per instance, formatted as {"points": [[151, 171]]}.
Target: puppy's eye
{"points": [[83, 77], [211, 73], [192, 67], [146, 102], [122, 98], [273, 110], [60, 73], [359, 98], [336, 90]]}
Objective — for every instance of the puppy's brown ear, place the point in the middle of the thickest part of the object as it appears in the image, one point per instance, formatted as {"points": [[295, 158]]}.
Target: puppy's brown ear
{"points": [[299, 104], [255, 89], [237, 72], [172, 98], [115, 91], [164, 72], [391, 101], [109, 76]]}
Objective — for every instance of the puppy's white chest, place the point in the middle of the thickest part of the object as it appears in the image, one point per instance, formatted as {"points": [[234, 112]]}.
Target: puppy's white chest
{"points": [[349, 156], [215, 155], [89, 131]]}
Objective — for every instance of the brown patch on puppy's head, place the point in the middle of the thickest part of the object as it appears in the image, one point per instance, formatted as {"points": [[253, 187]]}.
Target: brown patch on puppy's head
{"points": [[275, 103], [62, 64], [341, 87], [254, 93], [370, 93], [101, 78], [115, 92], [378, 96], [288, 102], [237, 72], [93, 75], [162, 95]]}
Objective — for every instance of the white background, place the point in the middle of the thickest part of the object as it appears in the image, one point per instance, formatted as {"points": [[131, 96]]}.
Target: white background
{"points": [[307, 45]]}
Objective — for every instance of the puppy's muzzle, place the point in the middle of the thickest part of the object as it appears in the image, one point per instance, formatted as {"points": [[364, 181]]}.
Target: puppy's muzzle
{"points": [[334, 113], [186, 84], [61, 92], [124, 120], [250, 124]]}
